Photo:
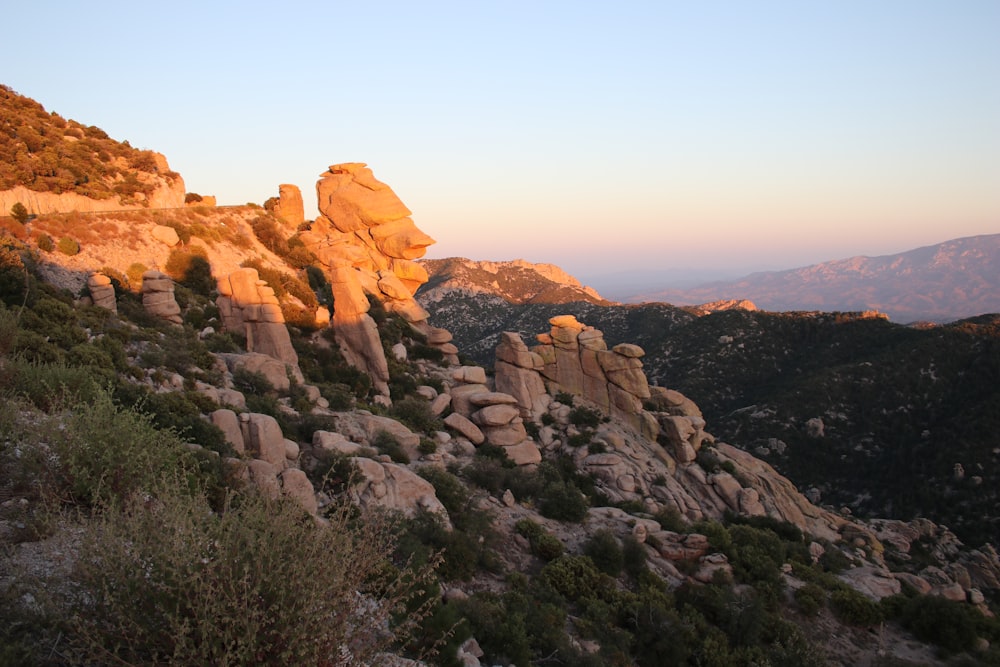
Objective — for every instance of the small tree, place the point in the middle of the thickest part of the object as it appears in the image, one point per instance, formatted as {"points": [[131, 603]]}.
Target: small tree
{"points": [[20, 212]]}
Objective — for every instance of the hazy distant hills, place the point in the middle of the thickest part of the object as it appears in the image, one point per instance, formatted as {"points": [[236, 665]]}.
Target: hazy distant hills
{"points": [[948, 281]]}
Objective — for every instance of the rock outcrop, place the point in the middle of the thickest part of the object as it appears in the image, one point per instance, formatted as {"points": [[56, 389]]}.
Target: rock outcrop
{"points": [[248, 306], [649, 456], [168, 192], [102, 292], [290, 207], [158, 296], [575, 359], [367, 243]]}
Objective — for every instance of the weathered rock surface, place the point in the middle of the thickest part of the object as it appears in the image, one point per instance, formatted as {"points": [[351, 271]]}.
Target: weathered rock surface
{"points": [[290, 207], [158, 296], [102, 292], [366, 242], [395, 487], [248, 306], [576, 360]]}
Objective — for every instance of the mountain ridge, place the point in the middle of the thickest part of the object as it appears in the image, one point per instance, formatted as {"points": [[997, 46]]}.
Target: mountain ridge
{"points": [[946, 281]]}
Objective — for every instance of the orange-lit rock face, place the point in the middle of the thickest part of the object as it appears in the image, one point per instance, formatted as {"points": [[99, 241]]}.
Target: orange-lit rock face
{"points": [[367, 244], [247, 305], [364, 225]]}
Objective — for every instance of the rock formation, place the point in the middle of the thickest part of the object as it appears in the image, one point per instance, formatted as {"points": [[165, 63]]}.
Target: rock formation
{"points": [[367, 243], [642, 455], [168, 193], [290, 207], [575, 359], [158, 296], [248, 306], [102, 292]]}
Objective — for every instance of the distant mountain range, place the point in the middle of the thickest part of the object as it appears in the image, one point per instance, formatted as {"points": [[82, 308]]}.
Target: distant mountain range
{"points": [[939, 283]]}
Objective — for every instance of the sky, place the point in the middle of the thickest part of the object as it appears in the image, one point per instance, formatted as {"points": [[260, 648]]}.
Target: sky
{"points": [[692, 138]]}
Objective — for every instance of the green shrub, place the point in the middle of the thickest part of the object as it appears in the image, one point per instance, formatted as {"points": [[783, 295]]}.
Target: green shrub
{"points": [[583, 416], [565, 398], [385, 443], [415, 412], [68, 246], [252, 382], [107, 453], [573, 577], [134, 274], [46, 243], [670, 519], [165, 581], [543, 544], [634, 557], [810, 598], [563, 501], [948, 624], [603, 549], [853, 607]]}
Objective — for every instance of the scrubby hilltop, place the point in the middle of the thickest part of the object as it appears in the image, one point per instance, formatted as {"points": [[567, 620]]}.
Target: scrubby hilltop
{"points": [[51, 164], [202, 464]]}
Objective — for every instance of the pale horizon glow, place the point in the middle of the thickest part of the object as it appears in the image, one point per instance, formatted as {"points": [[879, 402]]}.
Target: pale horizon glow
{"points": [[599, 137]]}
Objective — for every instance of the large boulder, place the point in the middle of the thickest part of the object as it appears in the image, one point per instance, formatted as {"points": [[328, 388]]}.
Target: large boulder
{"points": [[102, 292], [158, 296], [290, 207]]}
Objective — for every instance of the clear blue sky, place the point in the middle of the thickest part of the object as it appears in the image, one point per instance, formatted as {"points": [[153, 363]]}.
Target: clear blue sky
{"points": [[594, 135]]}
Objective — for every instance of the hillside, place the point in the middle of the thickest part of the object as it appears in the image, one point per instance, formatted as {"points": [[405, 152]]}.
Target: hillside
{"points": [[44, 156], [948, 281], [889, 396], [612, 549], [231, 437], [517, 281]]}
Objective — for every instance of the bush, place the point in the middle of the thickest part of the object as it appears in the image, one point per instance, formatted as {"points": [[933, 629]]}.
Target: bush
{"points": [[852, 607], [19, 212], [573, 577], [108, 453], [810, 598], [416, 413], [68, 246], [167, 581], [46, 243], [604, 550], [951, 625], [563, 501], [386, 444], [543, 544], [583, 416]]}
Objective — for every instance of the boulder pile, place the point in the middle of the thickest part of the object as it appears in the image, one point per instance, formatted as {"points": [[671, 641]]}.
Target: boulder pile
{"points": [[248, 306]]}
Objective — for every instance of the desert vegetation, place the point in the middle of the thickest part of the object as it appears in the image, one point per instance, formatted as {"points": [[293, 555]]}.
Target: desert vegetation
{"points": [[47, 153]]}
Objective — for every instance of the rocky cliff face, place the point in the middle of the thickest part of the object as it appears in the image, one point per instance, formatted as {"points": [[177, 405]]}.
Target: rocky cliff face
{"points": [[516, 281], [367, 243], [166, 193]]}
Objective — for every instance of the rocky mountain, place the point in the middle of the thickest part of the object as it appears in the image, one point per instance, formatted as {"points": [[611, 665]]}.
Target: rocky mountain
{"points": [[948, 281], [283, 461], [517, 281]]}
